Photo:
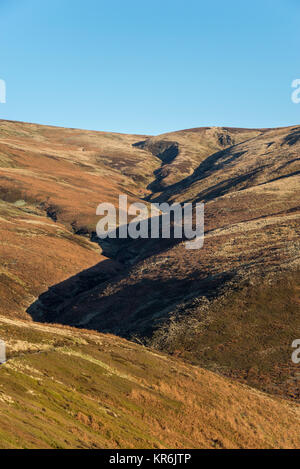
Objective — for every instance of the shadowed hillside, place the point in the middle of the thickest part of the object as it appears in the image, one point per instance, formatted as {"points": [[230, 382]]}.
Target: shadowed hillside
{"points": [[251, 192]]}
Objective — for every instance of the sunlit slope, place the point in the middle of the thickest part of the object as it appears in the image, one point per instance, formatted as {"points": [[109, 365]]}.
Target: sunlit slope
{"points": [[65, 388], [270, 156], [68, 172], [37, 252], [51, 182], [249, 235], [183, 151], [246, 334], [251, 192]]}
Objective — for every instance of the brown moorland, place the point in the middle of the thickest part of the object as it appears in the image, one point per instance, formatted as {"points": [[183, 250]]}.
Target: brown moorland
{"points": [[231, 307], [65, 388]]}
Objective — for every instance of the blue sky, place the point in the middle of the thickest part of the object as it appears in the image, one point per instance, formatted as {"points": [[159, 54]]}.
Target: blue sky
{"points": [[150, 66]]}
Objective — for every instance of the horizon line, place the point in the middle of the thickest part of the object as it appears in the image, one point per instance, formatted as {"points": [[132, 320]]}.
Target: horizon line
{"points": [[188, 129]]}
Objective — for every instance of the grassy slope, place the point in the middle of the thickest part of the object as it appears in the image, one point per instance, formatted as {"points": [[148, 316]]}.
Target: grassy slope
{"points": [[246, 335], [251, 193], [65, 388], [79, 389], [195, 145], [36, 252], [51, 182], [68, 172]]}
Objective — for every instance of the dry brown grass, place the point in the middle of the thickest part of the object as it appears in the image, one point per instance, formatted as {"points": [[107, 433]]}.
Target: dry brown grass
{"points": [[51, 183], [80, 394], [246, 334]]}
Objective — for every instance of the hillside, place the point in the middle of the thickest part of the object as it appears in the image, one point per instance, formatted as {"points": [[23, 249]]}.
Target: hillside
{"points": [[64, 388], [51, 184], [251, 193], [231, 308], [52, 180]]}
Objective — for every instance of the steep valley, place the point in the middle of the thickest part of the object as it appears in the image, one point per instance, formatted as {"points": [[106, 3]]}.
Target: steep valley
{"points": [[132, 343]]}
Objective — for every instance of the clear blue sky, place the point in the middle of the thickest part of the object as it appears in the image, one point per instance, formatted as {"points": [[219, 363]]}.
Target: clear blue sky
{"points": [[150, 66]]}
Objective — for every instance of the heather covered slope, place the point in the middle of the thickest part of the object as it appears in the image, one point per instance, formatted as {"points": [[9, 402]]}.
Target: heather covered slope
{"points": [[251, 192], [51, 183], [252, 221], [65, 388], [181, 152], [37, 252], [269, 156], [68, 172], [245, 334]]}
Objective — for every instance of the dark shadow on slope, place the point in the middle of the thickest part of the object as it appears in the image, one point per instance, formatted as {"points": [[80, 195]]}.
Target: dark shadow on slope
{"points": [[128, 251], [228, 185], [139, 303], [213, 163], [123, 253], [166, 151], [133, 308], [51, 302], [292, 138]]}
